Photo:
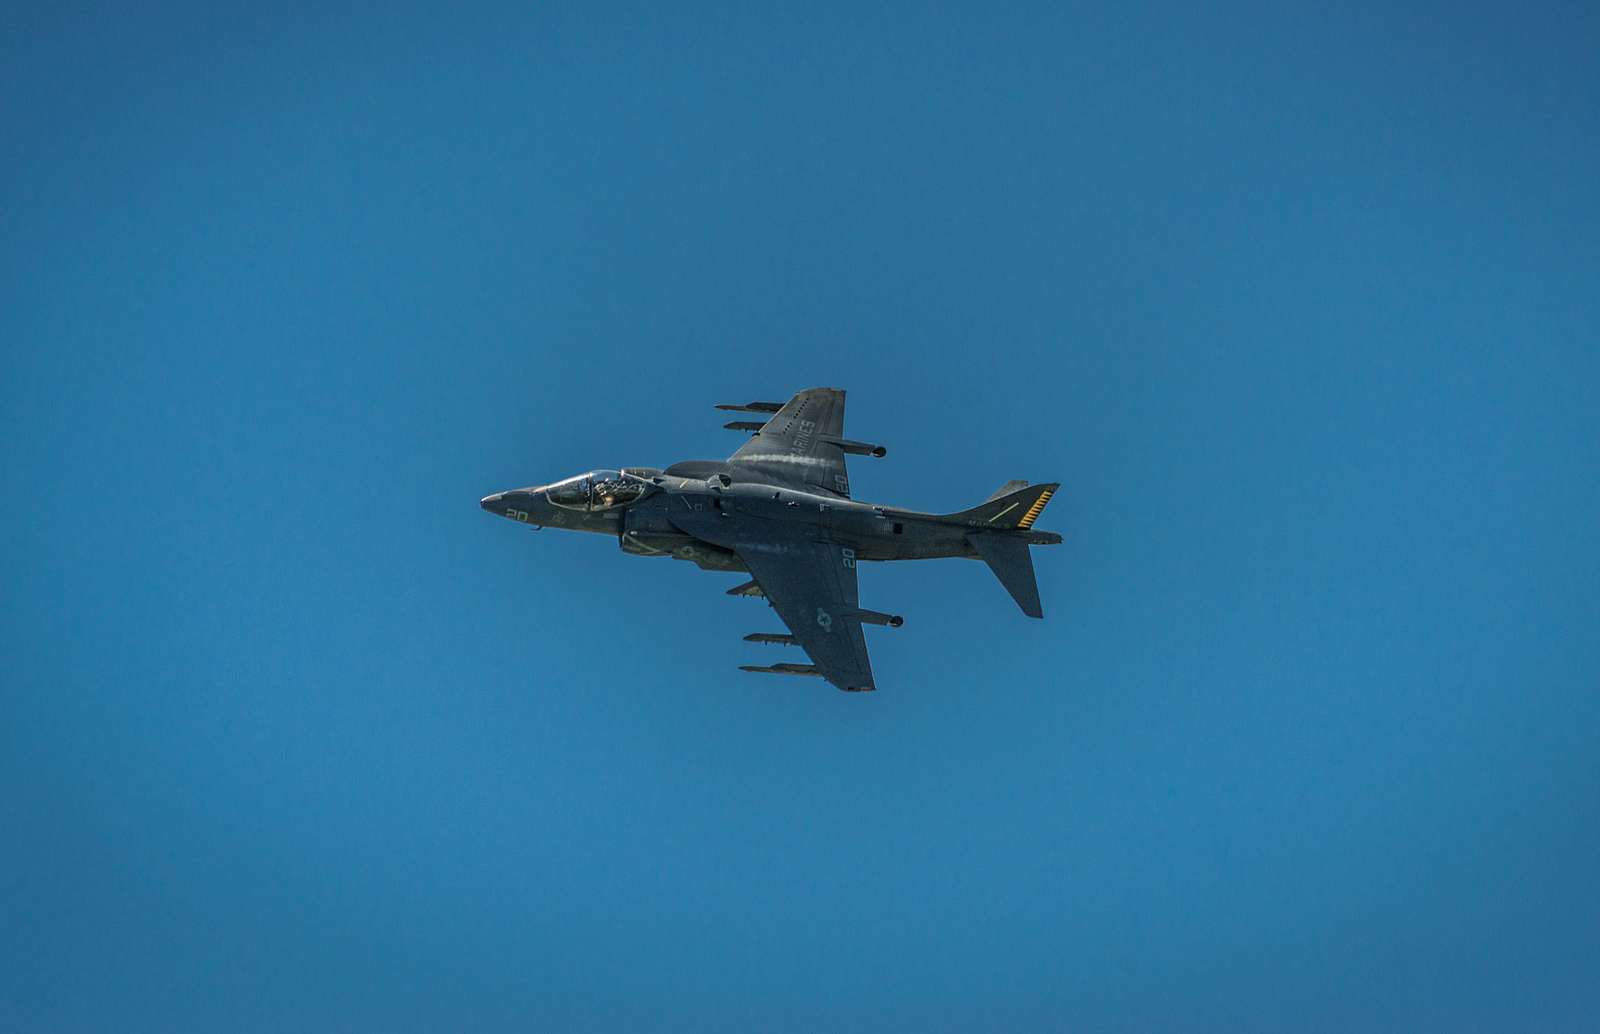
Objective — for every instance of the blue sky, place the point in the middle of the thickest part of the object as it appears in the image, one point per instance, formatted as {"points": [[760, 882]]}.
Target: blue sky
{"points": [[1299, 306]]}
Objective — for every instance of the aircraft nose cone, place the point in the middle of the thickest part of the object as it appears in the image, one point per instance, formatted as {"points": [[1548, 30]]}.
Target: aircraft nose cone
{"points": [[493, 503]]}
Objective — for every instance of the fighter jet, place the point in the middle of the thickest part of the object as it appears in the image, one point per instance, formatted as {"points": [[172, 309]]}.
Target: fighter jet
{"points": [[779, 510]]}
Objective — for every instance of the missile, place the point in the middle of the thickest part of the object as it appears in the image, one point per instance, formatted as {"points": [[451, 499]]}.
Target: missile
{"points": [[873, 617], [772, 637], [751, 407], [857, 448], [782, 669]]}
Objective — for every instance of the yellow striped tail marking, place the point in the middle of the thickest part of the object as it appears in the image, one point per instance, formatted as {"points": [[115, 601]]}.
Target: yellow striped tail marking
{"points": [[1034, 510]]}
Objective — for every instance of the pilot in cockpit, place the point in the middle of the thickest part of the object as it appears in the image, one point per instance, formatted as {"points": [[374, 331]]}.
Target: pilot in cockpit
{"points": [[597, 490]]}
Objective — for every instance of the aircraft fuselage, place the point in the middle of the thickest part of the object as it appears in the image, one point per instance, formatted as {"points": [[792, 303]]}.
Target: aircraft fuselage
{"points": [[698, 518]]}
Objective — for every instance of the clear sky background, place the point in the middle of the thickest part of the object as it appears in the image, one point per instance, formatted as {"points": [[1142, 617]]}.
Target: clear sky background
{"points": [[1302, 308]]}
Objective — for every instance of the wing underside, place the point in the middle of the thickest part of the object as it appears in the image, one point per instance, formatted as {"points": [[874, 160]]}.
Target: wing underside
{"points": [[812, 586], [800, 444]]}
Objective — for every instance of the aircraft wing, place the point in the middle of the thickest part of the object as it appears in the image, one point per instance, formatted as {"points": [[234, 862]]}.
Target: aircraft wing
{"points": [[812, 586], [799, 445]]}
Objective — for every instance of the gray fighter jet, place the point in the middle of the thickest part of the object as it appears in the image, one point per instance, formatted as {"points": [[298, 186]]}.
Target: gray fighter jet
{"points": [[779, 510]]}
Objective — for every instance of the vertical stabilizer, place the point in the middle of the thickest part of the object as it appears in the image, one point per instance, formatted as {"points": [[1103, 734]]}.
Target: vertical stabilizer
{"points": [[1010, 509], [1009, 559]]}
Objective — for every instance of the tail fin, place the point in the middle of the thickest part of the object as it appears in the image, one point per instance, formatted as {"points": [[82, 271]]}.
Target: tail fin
{"points": [[1016, 509], [1009, 559]]}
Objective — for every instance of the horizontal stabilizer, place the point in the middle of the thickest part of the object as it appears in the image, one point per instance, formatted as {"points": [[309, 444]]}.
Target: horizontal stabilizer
{"points": [[1009, 559], [743, 425], [855, 448], [782, 669], [751, 407], [782, 638], [1006, 489], [749, 588]]}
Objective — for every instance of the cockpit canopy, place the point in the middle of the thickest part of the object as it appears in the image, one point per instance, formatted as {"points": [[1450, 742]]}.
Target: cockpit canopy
{"points": [[597, 490]]}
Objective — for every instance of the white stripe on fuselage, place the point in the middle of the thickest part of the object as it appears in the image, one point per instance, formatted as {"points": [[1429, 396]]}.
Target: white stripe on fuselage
{"points": [[782, 457]]}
